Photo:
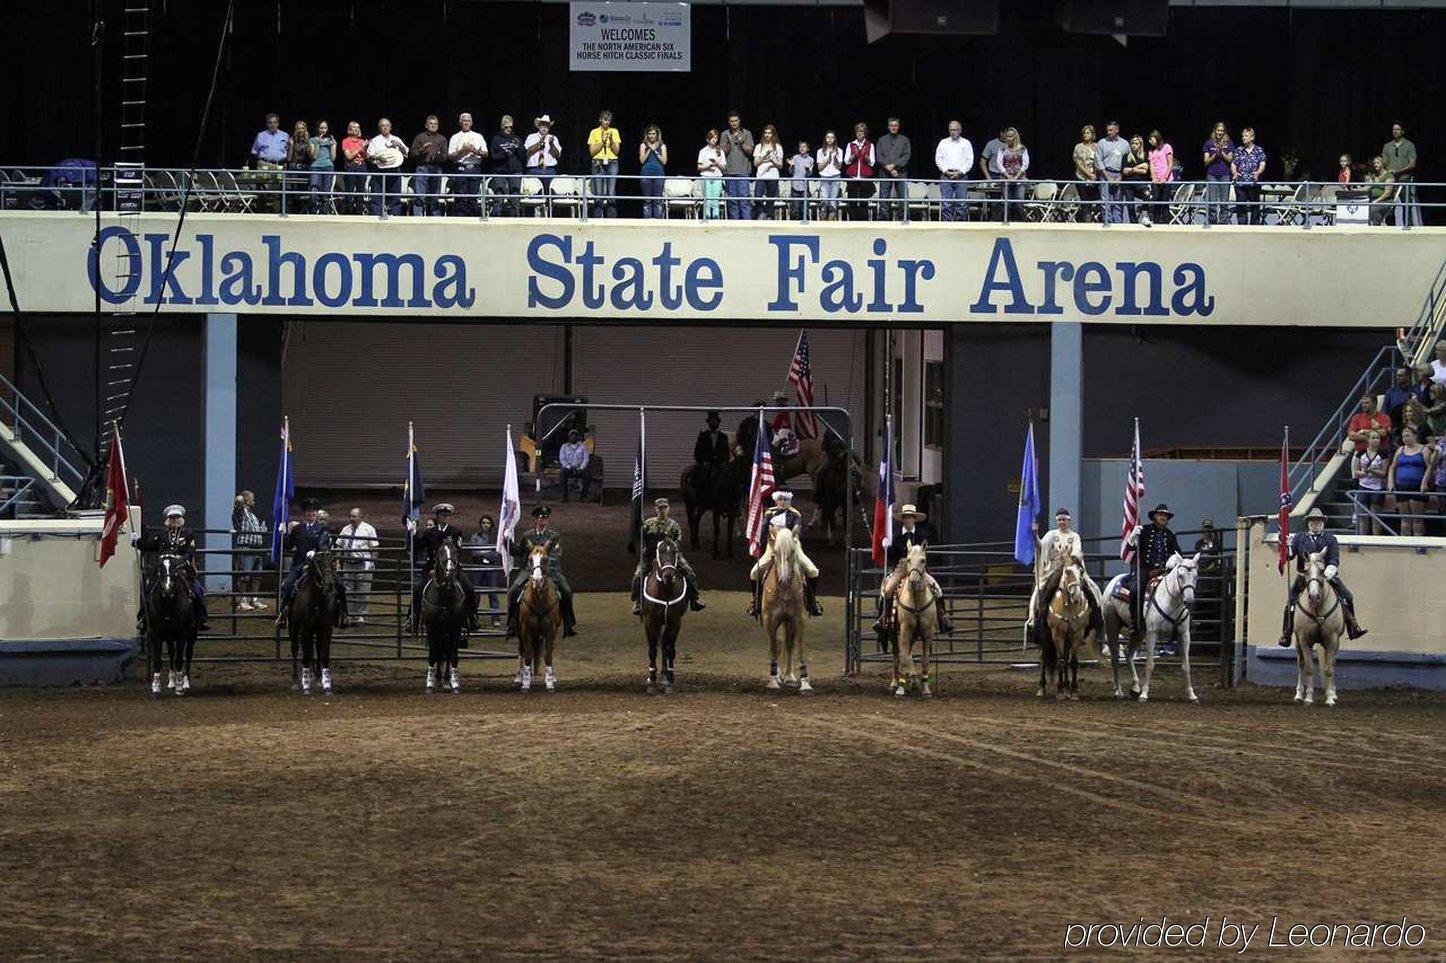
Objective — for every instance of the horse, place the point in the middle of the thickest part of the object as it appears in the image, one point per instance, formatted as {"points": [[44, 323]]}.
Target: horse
{"points": [[783, 608], [1318, 621], [444, 615], [1067, 614], [720, 492], [312, 616], [914, 621], [171, 618], [665, 594], [830, 492], [539, 618], [1167, 606]]}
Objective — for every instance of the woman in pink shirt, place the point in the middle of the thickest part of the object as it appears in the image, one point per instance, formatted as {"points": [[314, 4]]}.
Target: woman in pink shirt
{"points": [[1162, 174]]}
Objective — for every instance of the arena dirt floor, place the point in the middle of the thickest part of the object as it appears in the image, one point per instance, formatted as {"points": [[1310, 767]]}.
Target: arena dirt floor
{"points": [[722, 822]]}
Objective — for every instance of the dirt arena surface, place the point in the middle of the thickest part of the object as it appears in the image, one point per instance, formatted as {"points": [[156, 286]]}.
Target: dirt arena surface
{"points": [[719, 823]]}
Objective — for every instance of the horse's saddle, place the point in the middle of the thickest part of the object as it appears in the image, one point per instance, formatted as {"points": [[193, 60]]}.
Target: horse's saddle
{"points": [[1119, 587]]}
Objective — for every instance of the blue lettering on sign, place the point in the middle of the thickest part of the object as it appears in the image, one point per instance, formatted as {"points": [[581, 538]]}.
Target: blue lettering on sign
{"points": [[1134, 288], [840, 288], [284, 278], [560, 272]]}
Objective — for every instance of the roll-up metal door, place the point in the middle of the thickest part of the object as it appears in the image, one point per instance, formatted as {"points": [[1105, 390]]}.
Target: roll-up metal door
{"points": [[351, 387], [700, 366]]}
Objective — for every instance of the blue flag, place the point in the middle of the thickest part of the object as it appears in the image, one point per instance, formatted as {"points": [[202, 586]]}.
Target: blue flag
{"points": [[285, 491], [414, 493], [1028, 503]]}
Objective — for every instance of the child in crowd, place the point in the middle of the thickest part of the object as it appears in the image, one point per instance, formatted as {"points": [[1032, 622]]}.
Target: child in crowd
{"points": [[801, 165]]}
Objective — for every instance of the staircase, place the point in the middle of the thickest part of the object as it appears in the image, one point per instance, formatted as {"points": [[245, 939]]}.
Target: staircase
{"points": [[46, 466]]}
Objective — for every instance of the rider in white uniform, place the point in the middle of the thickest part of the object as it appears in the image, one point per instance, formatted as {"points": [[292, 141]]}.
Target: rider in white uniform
{"points": [[784, 515], [912, 531], [1058, 544]]}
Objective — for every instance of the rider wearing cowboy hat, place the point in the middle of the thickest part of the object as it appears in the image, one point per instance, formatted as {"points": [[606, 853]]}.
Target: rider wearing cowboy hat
{"points": [[1154, 546], [913, 530], [302, 539], [175, 539], [1302, 546], [1058, 545], [429, 543], [521, 547], [655, 529], [784, 515]]}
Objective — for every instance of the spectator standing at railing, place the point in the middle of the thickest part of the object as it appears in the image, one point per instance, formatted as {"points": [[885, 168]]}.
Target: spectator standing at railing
{"points": [[604, 143], [354, 167], [1438, 364], [653, 163], [299, 154], [989, 167], [358, 544], [1365, 421], [1014, 169], [248, 538], [1208, 589], [829, 164], [1135, 180], [1369, 468], [385, 154], [1245, 169], [800, 166], [1382, 188], [543, 150], [428, 153], [1219, 150], [955, 158], [268, 153], [767, 166], [895, 151], [1400, 157], [323, 170], [1408, 481], [509, 160], [711, 164], [1162, 177], [483, 544], [1343, 176], [466, 150], [1113, 150], [1086, 159], [859, 160], [738, 167]]}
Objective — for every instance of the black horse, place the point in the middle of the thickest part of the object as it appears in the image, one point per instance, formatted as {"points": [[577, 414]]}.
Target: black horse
{"points": [[314, 609], [830, 495], [171, 619], [720, 491], [665, 600], [444, 615]]}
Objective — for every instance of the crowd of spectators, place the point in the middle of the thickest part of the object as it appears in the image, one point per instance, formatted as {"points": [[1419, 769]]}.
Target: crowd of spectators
{"points": [[1399, 458], [1117, 178]]}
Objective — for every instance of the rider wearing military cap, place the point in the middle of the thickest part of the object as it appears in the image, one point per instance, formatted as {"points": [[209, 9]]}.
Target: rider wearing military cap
{"points": [[302, 539], [173, 538], [1302, 546], [427, 545], [521, 547], [655, 529]]}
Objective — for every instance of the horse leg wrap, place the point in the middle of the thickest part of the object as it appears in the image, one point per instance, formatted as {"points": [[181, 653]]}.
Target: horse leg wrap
{"points": [[1287, 626]]}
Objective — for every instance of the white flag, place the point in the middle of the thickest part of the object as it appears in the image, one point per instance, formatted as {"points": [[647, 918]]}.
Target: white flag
{"points": [[511, 509]]}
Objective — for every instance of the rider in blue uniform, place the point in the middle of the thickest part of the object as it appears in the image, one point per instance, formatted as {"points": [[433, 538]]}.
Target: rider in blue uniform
{"points": [[1302, 546], [428, 544], [1154, 546], [301, 539], [175, 539]]}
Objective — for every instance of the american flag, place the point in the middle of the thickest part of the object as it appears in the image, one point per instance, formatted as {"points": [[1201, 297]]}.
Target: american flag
{"points": [[1134, 492], [759, 488], [800, 375]]}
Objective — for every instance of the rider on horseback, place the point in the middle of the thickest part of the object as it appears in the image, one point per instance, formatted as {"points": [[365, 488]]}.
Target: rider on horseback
{"points": [[913, 530], [1058, 546], [784, 515], [302, 540], [712, 449], [175, 539], [521, 547], [656, 529], [1302, 546], [429, 543]]}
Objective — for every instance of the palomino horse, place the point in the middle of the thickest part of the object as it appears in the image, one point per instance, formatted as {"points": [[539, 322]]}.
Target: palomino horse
{"points": [[914, 621], [783, 608], [1067, 615], [665, 592], [1318, 621], [171, 619], [539, 619], [312, 617], [444, 614], [1166, 607]]}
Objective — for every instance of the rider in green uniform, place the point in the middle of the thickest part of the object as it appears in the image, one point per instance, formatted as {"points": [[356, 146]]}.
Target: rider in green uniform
{"points": [[521, 547], [655, 529]]}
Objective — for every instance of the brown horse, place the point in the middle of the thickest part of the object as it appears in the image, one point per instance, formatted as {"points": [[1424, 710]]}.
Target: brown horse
{"points": [[665, 600], [1067, 614], [539, 618], [914, 621], [783, 608]]}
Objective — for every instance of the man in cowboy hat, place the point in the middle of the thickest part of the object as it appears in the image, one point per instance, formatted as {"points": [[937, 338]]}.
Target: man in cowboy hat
{"points": [[913, 530], [174, 539], [428, 544], [784, 515], [521, 547], [1302, 546], [1058, 545], [655, 529], [1154, 545], [301, 539]]}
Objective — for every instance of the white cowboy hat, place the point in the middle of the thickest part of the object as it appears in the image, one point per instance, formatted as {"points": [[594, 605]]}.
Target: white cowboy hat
{"points": [[781, 495], [911, 511], [544, 119], [175, 510]]}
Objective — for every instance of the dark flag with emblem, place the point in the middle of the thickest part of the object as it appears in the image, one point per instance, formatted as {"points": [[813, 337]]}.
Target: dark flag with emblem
{"points": [[640, 483], [1283, 519]]}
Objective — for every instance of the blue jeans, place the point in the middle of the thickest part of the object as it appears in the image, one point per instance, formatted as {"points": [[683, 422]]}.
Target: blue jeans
{"points": [[604, 188], [739, 206], [506, 193], [828, 196], [1217, 193], [765, 193], [387, 191], [320, 186], [464, 183], [354, 183], [951, 196], [426, 180], [1112, 193], [653, 194]]}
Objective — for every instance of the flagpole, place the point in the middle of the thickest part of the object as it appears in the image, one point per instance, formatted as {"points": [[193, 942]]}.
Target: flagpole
{"points": [[642, 474], [411, 498]]}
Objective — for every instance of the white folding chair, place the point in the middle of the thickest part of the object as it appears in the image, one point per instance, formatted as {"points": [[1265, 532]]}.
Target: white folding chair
{"points": [[1040, 206], [567, 195], [534, 195], [681, 194]]}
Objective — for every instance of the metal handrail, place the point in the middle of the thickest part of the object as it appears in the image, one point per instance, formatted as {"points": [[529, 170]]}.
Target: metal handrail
{"points": [[23, 484], [63, 454]]}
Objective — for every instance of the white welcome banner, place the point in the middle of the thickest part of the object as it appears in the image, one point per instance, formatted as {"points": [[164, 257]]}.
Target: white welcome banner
{"points": [[755, 271], [629, 36]]}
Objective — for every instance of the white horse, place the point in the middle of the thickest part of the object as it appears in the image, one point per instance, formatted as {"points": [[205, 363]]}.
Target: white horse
{"points": [[1166, 608], [1318, 621]]}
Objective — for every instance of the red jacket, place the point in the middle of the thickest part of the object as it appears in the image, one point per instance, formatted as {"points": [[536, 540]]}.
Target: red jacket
{"points": [[860, 159]]}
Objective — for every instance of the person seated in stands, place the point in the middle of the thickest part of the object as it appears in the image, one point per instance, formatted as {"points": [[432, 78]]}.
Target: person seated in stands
{"points": [[1302, 546], [574, 457], [302, 539], [175, 539], [1369, 469], [1365, 421], [1408, 480]]}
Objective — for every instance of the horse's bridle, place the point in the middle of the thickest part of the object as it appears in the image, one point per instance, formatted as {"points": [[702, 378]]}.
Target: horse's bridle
{"points": [[1188, 601], [1323, 582], [658, 572]]}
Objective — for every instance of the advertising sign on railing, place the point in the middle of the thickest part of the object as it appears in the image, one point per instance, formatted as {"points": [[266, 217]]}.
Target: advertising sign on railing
{"points": [[629, 36]]}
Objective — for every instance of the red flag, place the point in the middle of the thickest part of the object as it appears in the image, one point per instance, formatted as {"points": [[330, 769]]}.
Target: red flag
{"points": [[117, 498], [1283, 519]]}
